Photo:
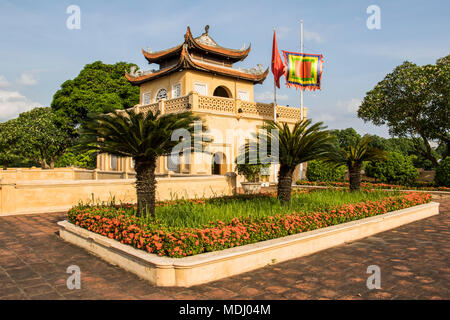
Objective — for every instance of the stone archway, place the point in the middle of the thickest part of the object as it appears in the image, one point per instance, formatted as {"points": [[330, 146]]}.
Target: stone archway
{"points": [[222, 91], [219, 164]]}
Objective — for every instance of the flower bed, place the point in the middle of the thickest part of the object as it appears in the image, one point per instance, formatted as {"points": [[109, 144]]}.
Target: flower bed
{"points": [[180, 242], [425, 186]]}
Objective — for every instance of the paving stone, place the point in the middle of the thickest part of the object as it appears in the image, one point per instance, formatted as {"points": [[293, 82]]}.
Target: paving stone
{"points": [[38, 290], [413, 259]]}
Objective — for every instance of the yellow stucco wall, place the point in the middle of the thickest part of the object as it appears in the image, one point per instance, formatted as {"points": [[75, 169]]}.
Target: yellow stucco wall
{"points": [[42, 196], [213, 81], [164, 83], [188, 79]]}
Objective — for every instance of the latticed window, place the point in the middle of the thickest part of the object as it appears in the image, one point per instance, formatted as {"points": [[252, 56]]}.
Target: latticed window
{"points": [[200, 88], [162, 94], [113, 162], [176, 90], [146, 98], [243, 95]]}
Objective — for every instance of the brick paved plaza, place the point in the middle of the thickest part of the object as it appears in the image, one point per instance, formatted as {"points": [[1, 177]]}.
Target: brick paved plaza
{"points": [[414, 261]]}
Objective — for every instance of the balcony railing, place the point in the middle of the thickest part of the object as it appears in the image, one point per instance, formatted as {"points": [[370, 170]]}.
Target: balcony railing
{"points": [[224, 106]]}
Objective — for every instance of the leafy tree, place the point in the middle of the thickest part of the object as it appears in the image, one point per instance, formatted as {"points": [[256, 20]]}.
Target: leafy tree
{"points": [[404, 146], [317, 170], [142, 136], [304, 142], [8, 152], [345, 137], [35, 136], [396, 168], [353, 157], [99, 88], [77, 159], [414, 102], [442, 177]]}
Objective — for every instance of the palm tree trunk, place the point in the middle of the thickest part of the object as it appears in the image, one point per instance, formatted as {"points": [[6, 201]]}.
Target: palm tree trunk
{"points": [[354, 174], [285, 183], [145, 185]]}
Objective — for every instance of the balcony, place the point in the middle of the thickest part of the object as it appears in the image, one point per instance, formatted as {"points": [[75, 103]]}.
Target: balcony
{"points": [[226, 107]]}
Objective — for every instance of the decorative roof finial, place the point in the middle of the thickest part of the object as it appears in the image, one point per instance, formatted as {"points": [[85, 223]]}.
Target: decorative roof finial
{"points": [[206, 29]]}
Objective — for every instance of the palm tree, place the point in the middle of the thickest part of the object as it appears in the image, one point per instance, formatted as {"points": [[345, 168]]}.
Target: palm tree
{"points": [[353, 157], [141, 136], [304, 142]]}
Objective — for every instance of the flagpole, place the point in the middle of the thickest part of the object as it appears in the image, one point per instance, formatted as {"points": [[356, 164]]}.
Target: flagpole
{"points": [[301, 51], [301, 89], [274, 95], [275, 167]]}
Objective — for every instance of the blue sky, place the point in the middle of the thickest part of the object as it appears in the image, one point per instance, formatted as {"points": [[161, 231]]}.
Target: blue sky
{"points": [[38, 52]]}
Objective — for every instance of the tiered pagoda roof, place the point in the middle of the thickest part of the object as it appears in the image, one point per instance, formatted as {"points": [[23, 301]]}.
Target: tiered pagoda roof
{"points": [[201, 53]]}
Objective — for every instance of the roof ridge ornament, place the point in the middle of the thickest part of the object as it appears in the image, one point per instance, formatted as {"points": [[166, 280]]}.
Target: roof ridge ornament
{"points": [[135, 72], [259, 69], [206, 29], [186, 35]]}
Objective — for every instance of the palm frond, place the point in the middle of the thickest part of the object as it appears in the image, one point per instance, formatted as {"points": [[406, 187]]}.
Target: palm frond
{"points": [[292, 145], [129, 133]]}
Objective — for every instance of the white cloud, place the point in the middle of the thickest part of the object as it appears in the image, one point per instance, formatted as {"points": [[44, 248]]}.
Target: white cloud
{"points": [[28, 79], [3, 82], [282, 31], [12, 103], [312, 36], [268, 96], [324, 117], [350, 106]]}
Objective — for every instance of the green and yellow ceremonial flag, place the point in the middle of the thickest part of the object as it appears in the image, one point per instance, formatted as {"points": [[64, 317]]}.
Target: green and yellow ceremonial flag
{"points": [[304, 70]]}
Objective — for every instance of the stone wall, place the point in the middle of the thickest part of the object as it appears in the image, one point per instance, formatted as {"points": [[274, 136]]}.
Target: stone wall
{"points": [[55, 191]]}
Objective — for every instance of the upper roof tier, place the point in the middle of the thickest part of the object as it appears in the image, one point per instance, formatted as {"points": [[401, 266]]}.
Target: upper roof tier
{"points": [[201, 53], [203, 44]]}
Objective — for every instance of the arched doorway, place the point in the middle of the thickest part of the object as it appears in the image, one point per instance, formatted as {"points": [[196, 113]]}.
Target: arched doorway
{"points": [[222, 91], [219, 163]]}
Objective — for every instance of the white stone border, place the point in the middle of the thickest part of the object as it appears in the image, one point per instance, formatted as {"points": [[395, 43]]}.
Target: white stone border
{"points": [[206, 267]]}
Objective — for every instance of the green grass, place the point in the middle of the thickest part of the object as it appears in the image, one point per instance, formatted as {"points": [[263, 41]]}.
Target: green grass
{"points": [[186, 214]]}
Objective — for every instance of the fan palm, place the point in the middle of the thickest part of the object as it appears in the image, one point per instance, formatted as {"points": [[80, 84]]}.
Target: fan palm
{"points": [[304, 142], [141, 136], [353, 157]]}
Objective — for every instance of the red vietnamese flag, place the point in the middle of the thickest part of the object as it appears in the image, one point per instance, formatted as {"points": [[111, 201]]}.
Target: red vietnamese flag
{"points": [[277, 63]]}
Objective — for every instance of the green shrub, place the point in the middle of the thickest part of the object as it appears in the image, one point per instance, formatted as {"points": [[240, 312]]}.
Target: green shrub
{"points": [[319, 171], [442, 177], [81, 160], [251, 172], [421, 162], [396, 169]]}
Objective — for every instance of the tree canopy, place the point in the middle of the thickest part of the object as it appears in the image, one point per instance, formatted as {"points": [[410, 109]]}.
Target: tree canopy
{"points": [[33, 136], [413, 101], [345, 137], [99, 88]]}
